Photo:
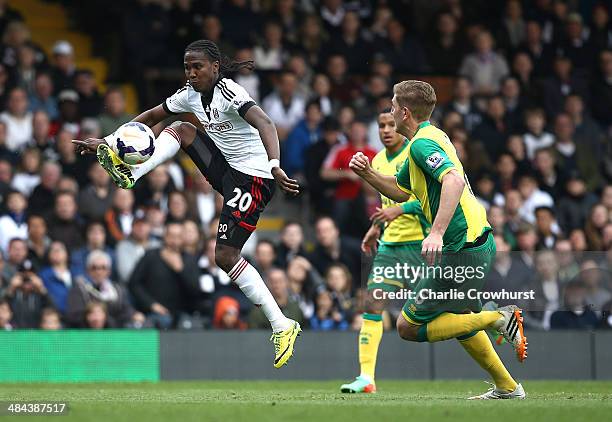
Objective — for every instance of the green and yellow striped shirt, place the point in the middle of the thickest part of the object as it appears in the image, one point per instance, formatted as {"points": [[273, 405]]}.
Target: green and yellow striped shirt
{"points": [[430, 156]]}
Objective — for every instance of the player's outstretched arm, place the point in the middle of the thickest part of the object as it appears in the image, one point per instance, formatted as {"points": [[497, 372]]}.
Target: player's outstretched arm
{"points": [[387, 185], [150, 118], [257, 118]]}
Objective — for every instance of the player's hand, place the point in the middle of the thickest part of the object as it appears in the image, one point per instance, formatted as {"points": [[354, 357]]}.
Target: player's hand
{"points": [[88, 146], [360, 164], [386, 215], [288, 185], [369, 242], [432, 248]]}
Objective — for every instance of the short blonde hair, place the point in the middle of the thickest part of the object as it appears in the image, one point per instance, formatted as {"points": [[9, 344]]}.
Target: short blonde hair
{"points": [[417, 96]]}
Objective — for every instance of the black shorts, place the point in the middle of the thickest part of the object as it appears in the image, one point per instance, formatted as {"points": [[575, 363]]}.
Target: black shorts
{"points": [[244, 196]]}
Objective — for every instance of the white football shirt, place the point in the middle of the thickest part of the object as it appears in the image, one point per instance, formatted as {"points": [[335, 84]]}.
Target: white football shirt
{"points": [[222, 118]]}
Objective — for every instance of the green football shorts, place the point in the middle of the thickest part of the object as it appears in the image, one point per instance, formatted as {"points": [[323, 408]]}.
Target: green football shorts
{"points": [[393, 267], [453, 285]]}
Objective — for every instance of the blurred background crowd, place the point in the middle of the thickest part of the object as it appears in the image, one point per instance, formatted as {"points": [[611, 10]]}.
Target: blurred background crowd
{"points": [[525, 94]]}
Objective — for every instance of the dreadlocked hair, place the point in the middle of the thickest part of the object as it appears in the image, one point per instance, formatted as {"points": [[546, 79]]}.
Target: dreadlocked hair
{"points": [[226, 65]]}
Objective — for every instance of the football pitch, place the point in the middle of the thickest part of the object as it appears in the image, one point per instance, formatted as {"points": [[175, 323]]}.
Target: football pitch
{"points": [[313, 400]]}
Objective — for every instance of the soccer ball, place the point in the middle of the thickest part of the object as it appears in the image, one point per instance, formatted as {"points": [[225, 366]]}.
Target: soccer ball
{"points": [[133, 143]]}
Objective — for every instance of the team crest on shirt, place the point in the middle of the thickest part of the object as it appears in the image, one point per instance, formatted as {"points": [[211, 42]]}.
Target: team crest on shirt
{"points": [[215, 113], [434, 160]]}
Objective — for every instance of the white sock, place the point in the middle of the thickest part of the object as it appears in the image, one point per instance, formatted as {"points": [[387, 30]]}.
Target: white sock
{"points": [[167, 145], [253, 287]]}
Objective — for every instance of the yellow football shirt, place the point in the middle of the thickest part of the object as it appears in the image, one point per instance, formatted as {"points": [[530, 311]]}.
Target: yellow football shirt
{"points": [[430, 156], [411, 226]]}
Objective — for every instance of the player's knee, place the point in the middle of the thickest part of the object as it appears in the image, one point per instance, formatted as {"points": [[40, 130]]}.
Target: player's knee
{"points": [[226, 257], [186, 132], [406, 330]]}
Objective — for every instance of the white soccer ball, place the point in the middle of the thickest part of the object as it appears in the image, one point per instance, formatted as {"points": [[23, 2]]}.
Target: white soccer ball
{"points": [[133, 143]]}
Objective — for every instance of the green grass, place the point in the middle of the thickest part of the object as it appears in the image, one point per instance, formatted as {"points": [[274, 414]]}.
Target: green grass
{"points": [[315, 401]]}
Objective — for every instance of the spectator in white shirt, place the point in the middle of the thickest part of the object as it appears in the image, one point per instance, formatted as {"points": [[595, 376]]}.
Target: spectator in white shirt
{"points": [[13, 224], [533, 198], [269, 55], [284, 106], [536, 137], [18, 120]]}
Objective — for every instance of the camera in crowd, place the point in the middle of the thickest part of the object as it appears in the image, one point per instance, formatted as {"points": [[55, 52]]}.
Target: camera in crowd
{"points": [[25, 269]]}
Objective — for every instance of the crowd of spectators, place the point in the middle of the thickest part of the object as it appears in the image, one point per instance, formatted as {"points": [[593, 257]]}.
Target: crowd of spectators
{"points": [[529, 115]]}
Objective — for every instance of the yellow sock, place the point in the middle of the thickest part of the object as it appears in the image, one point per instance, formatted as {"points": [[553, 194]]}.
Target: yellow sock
{"points": [[369, 339], [481, 350], [448, 326]]}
